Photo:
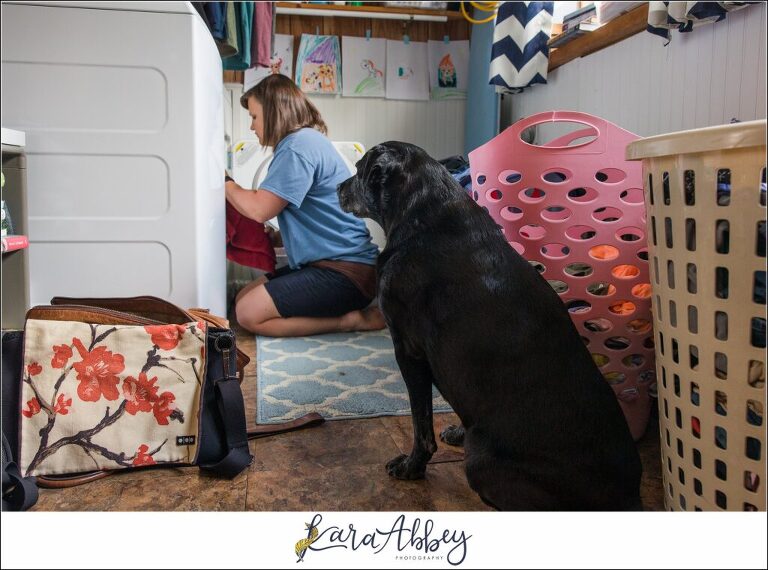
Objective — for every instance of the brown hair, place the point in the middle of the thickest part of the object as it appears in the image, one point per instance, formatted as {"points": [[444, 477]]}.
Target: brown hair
{"points": [[286, 108]]}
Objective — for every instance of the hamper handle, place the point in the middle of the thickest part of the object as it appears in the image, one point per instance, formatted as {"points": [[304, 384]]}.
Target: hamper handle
{"points": [[599, 125]]}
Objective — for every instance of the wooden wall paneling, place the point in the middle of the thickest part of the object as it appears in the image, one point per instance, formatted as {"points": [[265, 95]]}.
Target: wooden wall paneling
{"points": [[649, 86]]}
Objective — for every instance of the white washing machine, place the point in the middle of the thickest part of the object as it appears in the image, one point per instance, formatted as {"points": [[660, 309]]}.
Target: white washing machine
{"points": [[122, 106]]}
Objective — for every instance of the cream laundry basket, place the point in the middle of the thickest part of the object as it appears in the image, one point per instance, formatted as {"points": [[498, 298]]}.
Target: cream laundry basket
{"points": [[706, 205]]}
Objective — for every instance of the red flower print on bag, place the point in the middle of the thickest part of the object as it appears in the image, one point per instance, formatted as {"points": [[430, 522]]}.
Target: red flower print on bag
{"points": [[166, 337], [34, 408], [34, 369], [62, 354], [201, 325], [62, 405], [97, 372], [142, 457], [139, 394], [163, 408]]}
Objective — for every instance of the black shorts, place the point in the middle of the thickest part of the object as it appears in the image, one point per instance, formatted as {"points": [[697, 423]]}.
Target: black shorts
{"points": [[313, 292]]}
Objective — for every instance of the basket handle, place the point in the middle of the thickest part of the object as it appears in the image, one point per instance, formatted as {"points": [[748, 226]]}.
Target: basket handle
{"points": [[596, 123]]}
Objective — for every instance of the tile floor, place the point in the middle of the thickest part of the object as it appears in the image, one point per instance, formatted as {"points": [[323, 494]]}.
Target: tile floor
{"points": [[338, 466]]}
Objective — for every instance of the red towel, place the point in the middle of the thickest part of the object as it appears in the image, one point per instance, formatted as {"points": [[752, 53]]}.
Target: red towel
{"points": [[247, 242]]}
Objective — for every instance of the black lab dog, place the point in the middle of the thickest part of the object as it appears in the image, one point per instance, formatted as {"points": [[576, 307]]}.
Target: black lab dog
{"points": [[543, 430]]}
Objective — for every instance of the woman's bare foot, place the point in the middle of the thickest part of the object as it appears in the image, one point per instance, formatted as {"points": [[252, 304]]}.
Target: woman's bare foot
{"points": [[369, 319]]}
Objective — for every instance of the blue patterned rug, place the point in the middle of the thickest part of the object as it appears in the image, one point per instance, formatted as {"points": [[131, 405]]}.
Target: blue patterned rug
{"points": [[340, 376]]}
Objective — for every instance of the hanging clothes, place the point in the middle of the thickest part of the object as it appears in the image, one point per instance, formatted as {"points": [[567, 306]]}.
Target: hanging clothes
{"points": [[244, 23], [684, 16], [216, 13], [231, 29], [247, 242], [520, 55], [200, 7], [262, 38]]}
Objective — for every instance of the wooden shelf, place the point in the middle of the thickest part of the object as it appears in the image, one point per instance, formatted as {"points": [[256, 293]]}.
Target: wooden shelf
{"points": [[621, 28], [368, 11]]}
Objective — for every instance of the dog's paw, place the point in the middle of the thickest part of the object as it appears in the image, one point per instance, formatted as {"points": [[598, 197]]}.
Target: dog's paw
{"points": [[401, 468], [453, 435]]}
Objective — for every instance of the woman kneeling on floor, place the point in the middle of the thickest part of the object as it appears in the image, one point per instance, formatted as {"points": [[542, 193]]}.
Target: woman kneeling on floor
{"points": [[330, 279]]}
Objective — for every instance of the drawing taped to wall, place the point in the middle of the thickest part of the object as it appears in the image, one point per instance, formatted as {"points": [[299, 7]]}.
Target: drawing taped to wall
{"points": [[281, 62], [448, 69], [363, 65], [407, 76], [318, 64]]}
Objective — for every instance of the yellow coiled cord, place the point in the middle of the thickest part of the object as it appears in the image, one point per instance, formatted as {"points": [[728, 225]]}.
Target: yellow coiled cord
{"points": [[483, 7]]}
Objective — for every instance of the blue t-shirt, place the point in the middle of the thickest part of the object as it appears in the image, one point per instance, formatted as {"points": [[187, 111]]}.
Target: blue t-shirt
{"points": [[305, 170]]}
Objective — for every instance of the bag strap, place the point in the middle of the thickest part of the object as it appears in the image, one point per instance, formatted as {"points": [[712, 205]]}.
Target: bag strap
{"points": [[229, 398], [307, 420], [22, 491], [19, 493], [67, 481]]}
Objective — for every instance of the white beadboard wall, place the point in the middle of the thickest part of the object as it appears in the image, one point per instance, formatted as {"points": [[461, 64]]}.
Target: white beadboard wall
{"points": [[706, 77], [436, 126]]}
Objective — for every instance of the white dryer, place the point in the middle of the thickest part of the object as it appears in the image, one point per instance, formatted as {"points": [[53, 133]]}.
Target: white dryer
{"points": [[122, 106]]}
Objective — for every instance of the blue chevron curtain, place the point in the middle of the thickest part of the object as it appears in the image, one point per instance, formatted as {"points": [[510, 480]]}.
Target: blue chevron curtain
{"points": [[520, 54]]}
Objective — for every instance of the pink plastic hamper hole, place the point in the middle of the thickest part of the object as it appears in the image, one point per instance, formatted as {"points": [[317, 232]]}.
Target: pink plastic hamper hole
{"points": [[603, 252], [582, 195], [607, 214], [614, 378], [494, 195], [556, 213], [556, 175], [580, 233], [555, 250], [578, 269], [532, 195], [511, 213], [622, 308], [630, 234], [601, 289], [578, 306], [625, 271], [533, 232], [510, 176], [632, 196], [639, 326], [642, 290], [600, 359], [598, 325], [518, 247], [610, 175]]}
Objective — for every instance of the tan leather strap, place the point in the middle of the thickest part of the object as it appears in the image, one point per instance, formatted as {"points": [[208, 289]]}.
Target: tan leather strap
{"points": [[146, 306], [84, 314], [64, 482], [156, 309], [305, 421]]}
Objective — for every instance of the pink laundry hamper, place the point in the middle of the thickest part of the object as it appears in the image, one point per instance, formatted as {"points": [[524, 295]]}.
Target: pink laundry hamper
{"points": [[575, 211]]}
